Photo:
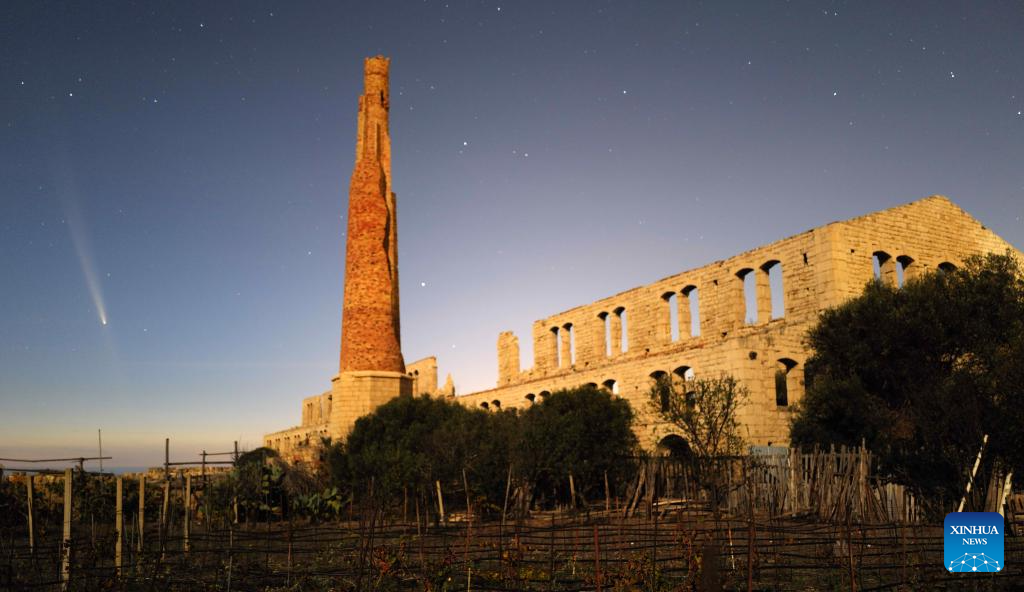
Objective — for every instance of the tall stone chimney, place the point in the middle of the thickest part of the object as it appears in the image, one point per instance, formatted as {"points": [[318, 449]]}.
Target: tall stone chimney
{"points": [[371, 368], [370, 334]]}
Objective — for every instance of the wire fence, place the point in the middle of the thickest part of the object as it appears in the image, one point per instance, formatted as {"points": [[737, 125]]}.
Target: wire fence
{"points": [[806, 523]]}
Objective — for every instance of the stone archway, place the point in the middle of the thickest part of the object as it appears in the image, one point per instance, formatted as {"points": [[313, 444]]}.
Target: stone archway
{"points": [[674, 446]]}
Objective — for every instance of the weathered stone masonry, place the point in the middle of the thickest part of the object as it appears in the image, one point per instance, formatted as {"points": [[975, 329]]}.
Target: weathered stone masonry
{"points": [[626, 341], [370, 335]]}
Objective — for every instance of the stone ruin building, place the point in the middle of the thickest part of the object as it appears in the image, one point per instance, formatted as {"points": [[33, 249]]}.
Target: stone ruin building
{"points": [[724, 318], [720, 318]]}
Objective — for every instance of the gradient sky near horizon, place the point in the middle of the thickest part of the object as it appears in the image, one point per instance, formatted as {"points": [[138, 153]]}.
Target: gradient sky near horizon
{"points": [[174, 178]]}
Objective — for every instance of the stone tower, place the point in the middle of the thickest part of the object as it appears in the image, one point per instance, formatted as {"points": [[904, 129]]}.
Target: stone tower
{"points": [[371, 369], [370, 338]]}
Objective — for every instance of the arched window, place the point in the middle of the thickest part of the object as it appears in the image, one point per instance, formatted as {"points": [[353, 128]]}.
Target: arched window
{"points": [[531, 397], [776, 296], [946, 267], [884, 267], [622, 324], [692, 297], [496, 403], [659, 380], [782, 377], [568, 356], [904, 270], [606, 334], [670, 322], [555, 340], [544, 394], [485, 405], [674, 446], [683, 373], [612, 385], [748, 291]]}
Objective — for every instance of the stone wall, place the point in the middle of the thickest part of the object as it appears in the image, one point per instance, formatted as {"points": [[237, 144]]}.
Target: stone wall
{"points": [[424, 376], [298, 444], [698, 322]]}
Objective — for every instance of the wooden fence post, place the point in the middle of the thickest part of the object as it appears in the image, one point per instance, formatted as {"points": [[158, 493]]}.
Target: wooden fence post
{"points": [[65, 547], [791, 504], [607, 495], [188, 509], [118, 524], [31, 529], [164, 509], [142, 511]]}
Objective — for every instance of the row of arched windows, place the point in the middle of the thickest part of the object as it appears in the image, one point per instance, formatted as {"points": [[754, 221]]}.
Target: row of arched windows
{"points": [[762, 288], [895, 271], [682, 312], [681, 374]]}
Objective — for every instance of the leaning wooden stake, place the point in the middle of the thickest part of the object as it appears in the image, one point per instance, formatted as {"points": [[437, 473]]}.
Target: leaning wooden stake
{"points": [[974, 471], [1007, 487], [65, 548], [31, 529], [469, 504], [118, 525]]}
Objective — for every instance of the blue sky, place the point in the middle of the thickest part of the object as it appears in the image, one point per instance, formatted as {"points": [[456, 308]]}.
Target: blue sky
{"points": [[183, 168]]}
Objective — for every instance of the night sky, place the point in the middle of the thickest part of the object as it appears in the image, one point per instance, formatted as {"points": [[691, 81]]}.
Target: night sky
{"points": [[180, 170]]}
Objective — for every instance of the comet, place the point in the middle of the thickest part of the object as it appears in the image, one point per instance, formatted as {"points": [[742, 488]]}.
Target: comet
{"points": [[79, 236], [81, 243]]}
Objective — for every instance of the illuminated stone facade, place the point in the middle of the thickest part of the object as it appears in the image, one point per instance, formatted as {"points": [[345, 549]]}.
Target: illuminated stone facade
{"points": [[720, 318]]}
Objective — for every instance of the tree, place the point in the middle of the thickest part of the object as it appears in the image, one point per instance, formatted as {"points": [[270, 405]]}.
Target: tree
{"points": [[584, 432], [705, 412], [410, 442], [921, 373]]}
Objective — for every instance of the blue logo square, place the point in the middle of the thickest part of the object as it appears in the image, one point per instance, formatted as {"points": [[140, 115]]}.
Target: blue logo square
{"points": [[973, 542]]}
